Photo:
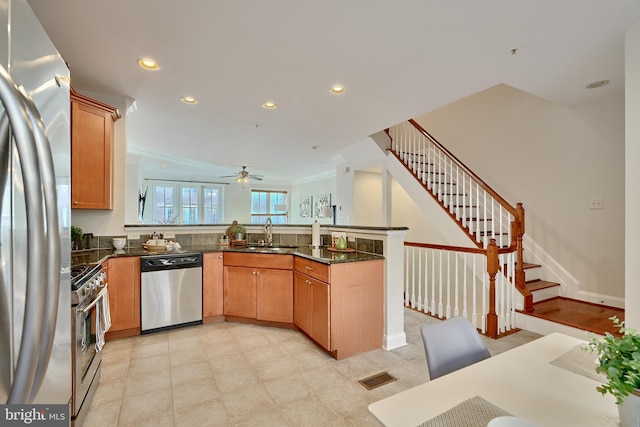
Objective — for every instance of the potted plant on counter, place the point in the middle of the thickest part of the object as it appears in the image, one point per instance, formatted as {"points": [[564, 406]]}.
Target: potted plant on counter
{"points": [[76, 237], [619, 360], [238, 231]]}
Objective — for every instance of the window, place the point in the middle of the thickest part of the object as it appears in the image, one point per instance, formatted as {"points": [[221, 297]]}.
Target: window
{"points": [[265, 204], [177, 202]]}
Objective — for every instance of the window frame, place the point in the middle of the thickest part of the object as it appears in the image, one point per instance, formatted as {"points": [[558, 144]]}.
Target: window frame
{"points": [[178, 187], [270, 212]]}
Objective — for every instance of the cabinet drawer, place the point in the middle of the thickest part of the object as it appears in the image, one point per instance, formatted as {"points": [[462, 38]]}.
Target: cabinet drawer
{"points": [[242, 259], [312, 268]]}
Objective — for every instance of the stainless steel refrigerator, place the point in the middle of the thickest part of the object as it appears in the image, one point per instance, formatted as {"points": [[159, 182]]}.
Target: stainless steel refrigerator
{"points": [[35, 290]]}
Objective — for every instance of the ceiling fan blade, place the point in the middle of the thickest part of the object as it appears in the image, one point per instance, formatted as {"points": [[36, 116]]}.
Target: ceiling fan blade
{"points": [[228, 176], [257, 178]]}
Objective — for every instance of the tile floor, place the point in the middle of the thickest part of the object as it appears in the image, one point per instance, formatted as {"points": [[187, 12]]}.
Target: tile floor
{"points": [[232, 374]]}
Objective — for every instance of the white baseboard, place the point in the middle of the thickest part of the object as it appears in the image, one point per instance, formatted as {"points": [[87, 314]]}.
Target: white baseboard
{"points": [[390, 342], [607, 300]]}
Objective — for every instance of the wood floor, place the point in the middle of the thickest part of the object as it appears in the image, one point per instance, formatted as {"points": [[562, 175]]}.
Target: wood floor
{"points": [[578, 314]]}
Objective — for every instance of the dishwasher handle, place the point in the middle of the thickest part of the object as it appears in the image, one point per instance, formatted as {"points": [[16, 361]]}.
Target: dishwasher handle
{"points": [[170, 262]]}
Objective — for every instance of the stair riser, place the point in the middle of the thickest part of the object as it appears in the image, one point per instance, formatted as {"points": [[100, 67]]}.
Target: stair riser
{"points": [[545, 294], [532, 274]]}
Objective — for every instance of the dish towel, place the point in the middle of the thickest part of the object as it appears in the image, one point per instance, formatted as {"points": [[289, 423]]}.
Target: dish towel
{"points": [[103, 318]]}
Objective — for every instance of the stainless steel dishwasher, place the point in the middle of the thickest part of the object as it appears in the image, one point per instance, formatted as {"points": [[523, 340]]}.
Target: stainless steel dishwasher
{"points": [[171, 291]]}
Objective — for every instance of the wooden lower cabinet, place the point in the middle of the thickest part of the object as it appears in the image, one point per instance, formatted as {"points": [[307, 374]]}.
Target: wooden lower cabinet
{"points": [[253, 291], [345, 313], [240, 292], [212, 289], [123, 278], [311, 308]]}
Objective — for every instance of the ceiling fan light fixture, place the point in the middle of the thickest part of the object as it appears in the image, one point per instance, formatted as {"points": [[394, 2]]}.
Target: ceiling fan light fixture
{"points": [[148, 64], [269, 105]]}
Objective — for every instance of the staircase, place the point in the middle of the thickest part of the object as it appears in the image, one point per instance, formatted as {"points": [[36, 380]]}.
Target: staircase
{"points": [[486, 219]]}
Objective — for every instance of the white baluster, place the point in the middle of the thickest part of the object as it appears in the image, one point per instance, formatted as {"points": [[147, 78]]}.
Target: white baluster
{"points": [[413, 277], [486, 225], [419, 305], [456, 309], [464, 288], [477, 213], [433, 281], [474, 297], [440, 306], [406, 276], [425, 304], [494, 222], [448, 284], [429, 164]]}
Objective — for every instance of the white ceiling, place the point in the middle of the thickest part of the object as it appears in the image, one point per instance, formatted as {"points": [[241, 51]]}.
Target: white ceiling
{"points": [[398, 59]]}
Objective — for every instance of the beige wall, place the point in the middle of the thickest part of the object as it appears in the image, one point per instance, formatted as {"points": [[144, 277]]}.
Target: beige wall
{"points": [[367, 206], [555, 160], [632, 178]]}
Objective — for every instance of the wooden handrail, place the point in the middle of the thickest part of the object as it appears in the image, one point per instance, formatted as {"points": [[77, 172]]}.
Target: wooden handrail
{"points": [[482, 184], [492, 251]]}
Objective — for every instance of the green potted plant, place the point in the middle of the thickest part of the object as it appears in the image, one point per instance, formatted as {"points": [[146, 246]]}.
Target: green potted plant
{"points": [[76, 236], [238, 231], [619, 360]]}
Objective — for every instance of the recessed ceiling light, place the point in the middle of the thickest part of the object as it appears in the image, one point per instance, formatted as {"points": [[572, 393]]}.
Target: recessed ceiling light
{"points": [[270, 105], [189, 100], [597, 84], [337, 89], [148, 64]]}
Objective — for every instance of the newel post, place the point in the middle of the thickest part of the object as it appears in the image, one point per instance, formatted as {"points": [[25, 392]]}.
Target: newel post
{"points": [[520, 275], [493, 265]]}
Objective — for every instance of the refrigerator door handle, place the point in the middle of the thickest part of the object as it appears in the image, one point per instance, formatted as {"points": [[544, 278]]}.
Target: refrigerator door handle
{"points": [[34, 305], [45, 158]]}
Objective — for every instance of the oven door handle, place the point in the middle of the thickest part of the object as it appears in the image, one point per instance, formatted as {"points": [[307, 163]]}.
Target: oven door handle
{"points": [[98, 297]]}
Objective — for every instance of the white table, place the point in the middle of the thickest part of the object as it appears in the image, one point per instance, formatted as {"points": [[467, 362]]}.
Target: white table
{"points": [[521, 381]]}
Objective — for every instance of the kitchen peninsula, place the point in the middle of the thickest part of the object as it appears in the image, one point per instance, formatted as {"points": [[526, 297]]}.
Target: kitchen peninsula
{"points": [[335, 298]]}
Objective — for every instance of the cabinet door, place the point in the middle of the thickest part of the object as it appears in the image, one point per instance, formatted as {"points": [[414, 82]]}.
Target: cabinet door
{"points": [[302, 302], [274, 295], [320, 314], [212, 292], [91, 153], [240, 292], [123, 277]]}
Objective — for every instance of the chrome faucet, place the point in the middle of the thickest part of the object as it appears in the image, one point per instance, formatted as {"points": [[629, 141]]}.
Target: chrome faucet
{"points": [[268, 232]]}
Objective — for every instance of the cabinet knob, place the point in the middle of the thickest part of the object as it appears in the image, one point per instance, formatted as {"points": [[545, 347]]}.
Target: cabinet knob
{"points": [[308, 268], [75, 202], [308, 282]]}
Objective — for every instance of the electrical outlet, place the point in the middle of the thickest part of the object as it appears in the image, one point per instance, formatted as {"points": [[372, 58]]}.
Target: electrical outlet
{"points": [[133, 236], [596, 203], [169, 235]]}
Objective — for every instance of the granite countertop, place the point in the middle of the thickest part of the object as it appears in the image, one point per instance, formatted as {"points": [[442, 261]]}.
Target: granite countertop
{"points": [[322, 254]]}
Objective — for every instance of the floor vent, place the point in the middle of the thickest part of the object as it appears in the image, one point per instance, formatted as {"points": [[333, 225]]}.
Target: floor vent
{"points": [[377, 380]]}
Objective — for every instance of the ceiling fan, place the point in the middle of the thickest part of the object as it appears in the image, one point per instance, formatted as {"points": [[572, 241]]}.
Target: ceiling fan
{"points": [[243, 176]]}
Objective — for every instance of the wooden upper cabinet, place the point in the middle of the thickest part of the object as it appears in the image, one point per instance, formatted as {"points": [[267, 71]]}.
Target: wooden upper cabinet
{"points": [[92, 124]]}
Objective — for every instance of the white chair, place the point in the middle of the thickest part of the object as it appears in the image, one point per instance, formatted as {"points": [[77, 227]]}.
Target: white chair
{"points": [[450, 345]]}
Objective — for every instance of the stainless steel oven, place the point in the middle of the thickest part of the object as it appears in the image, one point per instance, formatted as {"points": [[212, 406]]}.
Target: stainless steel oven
{"points": [[89, 288]]}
